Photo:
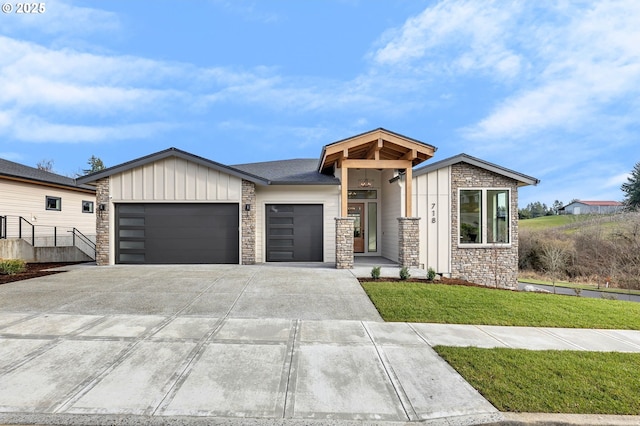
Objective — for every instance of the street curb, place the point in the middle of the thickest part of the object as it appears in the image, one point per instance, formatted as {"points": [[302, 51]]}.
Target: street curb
{"points": [[546, 419]]}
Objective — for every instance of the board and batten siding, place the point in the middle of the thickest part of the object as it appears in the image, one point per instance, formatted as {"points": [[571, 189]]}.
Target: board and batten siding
{"points": [[175, 180], [327, 195], [432, 204], [392, 207], [28, 200], [170, 180]]}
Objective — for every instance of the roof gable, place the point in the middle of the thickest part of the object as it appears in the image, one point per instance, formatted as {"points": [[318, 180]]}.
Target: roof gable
{"points": [[464, 158], [379, 144], [167, 153]]}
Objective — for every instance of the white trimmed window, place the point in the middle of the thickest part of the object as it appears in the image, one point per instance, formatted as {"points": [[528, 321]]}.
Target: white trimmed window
{"points": [[484, 216]]}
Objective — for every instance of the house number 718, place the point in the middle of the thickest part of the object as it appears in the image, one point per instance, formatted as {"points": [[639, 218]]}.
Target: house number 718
{"points": [[433, 212]]}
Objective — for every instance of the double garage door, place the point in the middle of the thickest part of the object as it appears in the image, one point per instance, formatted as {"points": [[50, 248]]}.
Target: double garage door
{"points": [[177, 233]]}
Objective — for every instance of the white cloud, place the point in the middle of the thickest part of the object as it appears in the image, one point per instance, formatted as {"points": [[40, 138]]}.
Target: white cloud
{"points": [[458, 36], [585, 66], [62, 19], [35, 129]]}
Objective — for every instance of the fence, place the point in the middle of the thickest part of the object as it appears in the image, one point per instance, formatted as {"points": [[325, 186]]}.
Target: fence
{"points": [[46, 235]]}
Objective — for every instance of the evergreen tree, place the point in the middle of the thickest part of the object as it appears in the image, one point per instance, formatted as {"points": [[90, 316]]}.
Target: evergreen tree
{"points": [[96, 165], [631, 188]]}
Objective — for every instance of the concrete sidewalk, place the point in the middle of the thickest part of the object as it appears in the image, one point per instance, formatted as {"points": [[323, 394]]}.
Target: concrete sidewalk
{"points": [[65, 367], [70, 368]]}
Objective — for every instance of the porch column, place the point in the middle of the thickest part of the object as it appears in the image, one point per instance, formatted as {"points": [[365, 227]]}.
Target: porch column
{"points": [[409, 242], [248, 222], [344, 242], [102, 222]]}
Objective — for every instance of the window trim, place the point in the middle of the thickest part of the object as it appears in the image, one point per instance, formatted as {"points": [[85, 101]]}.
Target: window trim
{"points": [[483, 217], [58, 203], [90, 203]]}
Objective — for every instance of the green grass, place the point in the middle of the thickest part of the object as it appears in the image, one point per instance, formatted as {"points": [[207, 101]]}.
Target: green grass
{"points": [[439, 303], [516, 380], [569, 223], [545, 222]]}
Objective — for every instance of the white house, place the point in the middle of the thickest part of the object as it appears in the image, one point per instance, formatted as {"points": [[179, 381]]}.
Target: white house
{"points": [[364, 196], [43, 209]]}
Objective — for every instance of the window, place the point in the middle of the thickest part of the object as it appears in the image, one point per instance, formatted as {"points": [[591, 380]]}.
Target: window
{"points": [[484, 216], [359, 194], [87, 206], [53, 203]]}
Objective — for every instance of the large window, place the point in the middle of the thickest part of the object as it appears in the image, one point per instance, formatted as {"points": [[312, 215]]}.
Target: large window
{"points": [[484, 216]]}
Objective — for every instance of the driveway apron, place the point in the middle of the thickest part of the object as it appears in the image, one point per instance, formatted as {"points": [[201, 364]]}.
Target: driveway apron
{"points": [[187, 343]]}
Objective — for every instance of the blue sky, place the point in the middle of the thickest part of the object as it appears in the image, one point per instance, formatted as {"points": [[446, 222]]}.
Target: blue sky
{"points": [[550, 89]]}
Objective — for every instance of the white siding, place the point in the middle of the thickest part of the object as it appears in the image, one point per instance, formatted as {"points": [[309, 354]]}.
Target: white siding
{"points": [[432, 203], [175, 180], [28, 200], [327, 195], [392, 207]]}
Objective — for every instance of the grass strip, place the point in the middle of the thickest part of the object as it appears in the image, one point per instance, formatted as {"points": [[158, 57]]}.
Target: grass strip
{"points": [[580, 286], [450, 304], [517, 380]]}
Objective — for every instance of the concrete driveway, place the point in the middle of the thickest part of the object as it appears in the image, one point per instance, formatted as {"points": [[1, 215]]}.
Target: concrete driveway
{"points": [[245, 344]]}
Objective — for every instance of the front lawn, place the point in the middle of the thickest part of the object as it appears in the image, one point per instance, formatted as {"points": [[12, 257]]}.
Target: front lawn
{"points": [[439, 303], [518, 380]]}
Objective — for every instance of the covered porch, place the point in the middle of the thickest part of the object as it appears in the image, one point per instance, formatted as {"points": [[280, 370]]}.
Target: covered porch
{"points": [[376, 211]]}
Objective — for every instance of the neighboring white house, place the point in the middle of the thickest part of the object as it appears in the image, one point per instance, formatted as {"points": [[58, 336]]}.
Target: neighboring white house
{"points": [[362, 197], [43, 207], [592, 207]]}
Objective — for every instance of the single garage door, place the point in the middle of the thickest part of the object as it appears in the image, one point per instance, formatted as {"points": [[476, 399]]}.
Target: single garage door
{"points": [[177, 233], [294, 232]]}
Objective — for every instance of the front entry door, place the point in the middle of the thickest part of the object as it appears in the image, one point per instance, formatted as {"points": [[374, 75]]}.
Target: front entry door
{"points": [[356, 211]]}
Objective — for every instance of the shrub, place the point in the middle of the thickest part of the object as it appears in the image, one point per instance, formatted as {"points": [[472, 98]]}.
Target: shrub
{"points": [[431, 274], [404, 273], [375, 272], [12, 266]]}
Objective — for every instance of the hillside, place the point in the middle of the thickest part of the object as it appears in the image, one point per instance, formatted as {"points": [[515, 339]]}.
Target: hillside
{"points": [[569, 223]]}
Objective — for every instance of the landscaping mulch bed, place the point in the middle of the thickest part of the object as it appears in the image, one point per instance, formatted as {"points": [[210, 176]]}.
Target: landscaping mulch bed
{"points": [[34, 270], [443, 280]]}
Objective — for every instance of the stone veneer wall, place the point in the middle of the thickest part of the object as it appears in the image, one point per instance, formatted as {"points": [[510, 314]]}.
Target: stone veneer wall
{"points": [[248, 223], [102, 222], [490, 266], [409, 242], [344, 242]]}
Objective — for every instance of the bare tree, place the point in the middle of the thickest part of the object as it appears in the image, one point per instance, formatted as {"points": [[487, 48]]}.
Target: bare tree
{"points": [[46, 165], [555, 257]]}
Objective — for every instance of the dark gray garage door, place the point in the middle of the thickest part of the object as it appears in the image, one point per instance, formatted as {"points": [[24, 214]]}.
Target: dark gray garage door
{"points": [[294, 232], [177, 233]]}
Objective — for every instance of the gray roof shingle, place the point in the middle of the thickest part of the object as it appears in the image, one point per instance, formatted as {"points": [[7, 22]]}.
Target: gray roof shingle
{"points": [[300, 171], [16, 170]]}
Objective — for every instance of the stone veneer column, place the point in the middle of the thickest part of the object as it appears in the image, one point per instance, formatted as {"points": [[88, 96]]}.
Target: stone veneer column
{"points": [[102, 222], [344, 242], [409, 242], [248, 223]]}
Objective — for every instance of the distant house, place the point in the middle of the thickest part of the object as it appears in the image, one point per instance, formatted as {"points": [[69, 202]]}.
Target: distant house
{"points": [[592, 207], [41, 209]]}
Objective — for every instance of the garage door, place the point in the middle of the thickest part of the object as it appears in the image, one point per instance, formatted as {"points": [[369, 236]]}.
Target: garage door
{"points": [[177, 233], [294, 232]]}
